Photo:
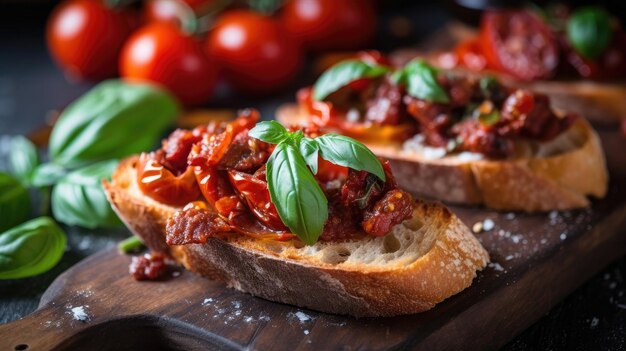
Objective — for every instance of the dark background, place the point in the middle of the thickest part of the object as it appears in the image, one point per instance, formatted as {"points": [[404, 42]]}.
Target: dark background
{"points": [[593, 317]]}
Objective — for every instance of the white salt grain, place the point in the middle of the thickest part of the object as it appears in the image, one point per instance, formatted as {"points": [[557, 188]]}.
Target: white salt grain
{"points": [[80, 314], [302, 317], [563, 236], [488, 224]]}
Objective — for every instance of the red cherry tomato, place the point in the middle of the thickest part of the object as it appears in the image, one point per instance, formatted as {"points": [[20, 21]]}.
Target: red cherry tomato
{"points": [[85, 37], [256, 55], [162, 53], [174, 10], [519, 43], [162, 185], [331, 24]]}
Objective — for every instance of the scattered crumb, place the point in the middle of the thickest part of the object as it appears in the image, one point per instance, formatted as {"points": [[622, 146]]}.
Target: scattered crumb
{"points": [[306, 332], [248, 319], [236, 304], [509, 257], [563, 236], [477, 227], [496, 266], [264, 317], [594, 322]]}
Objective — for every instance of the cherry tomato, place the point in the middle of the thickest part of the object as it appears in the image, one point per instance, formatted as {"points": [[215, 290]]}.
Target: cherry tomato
{"points": [[85, 37], [162, 53], [174, 11], [160, 184], [519, 43], [256, 55], [331, 24]]}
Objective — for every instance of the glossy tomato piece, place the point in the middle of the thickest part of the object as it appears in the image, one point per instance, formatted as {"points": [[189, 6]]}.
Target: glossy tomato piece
{"points": [[85, 37], [470, 54], [331, 24], [256, 55], [519, 43], [256, 194], [162, 53], [174, 11], [159, 183]]}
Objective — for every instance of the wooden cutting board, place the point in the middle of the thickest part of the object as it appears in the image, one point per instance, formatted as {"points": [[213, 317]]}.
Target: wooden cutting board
{"points": [[536, 261]]}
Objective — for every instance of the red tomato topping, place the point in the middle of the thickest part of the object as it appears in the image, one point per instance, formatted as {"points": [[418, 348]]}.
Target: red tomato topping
{"points": [[519, 43], [162, 185]]}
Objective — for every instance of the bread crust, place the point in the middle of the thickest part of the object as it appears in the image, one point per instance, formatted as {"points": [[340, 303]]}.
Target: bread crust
{"points": [[533, 184], [281, 272]]}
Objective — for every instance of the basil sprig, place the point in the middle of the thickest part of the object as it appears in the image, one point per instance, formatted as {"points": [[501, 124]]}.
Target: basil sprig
{"points": [[343, 74], [589, 31], [113, 120], [31, 248], [299, 200], [420, 79], [23, 159], [78, 198], [14, 202]]}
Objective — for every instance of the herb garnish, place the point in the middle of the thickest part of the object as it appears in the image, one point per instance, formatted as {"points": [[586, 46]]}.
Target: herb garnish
{"points": [[420, 79], [343, 74], [589, 31], [299, 200]]}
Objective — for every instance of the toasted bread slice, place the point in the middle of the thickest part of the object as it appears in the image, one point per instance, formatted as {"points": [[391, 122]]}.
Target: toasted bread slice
{"points": [[549, 176], [423, 261], [599, 102]]}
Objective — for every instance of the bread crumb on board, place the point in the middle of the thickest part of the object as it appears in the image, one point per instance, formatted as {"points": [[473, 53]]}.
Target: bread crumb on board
{"points": [[483, 226]]}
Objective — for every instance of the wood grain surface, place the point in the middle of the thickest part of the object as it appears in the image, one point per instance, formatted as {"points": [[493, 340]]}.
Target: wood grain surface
{"points": [[536, 261]]}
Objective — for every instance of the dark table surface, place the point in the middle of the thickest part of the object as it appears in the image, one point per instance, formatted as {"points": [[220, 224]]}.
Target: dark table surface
{"points": [[592, 317]]}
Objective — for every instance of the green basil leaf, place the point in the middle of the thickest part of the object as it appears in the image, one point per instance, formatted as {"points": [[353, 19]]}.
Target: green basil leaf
{"points": [[23, 159], [300, 201], [589, 31], [488, 85], [269, 131], [31, 248], [79, 199], [343, 74], [420, 79], [15, 205], [113, 120], [47, 174], [348, 152], [309, 151]]}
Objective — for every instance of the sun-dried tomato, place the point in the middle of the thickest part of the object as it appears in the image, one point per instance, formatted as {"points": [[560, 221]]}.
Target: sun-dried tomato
{"points": [[394, 207], [150, 266], [194, 226], [256, 194]]}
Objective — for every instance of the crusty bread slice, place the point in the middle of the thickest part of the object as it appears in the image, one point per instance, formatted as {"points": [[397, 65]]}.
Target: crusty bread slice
{"points": [[550, 176], [599, 102], [423, 261]]}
